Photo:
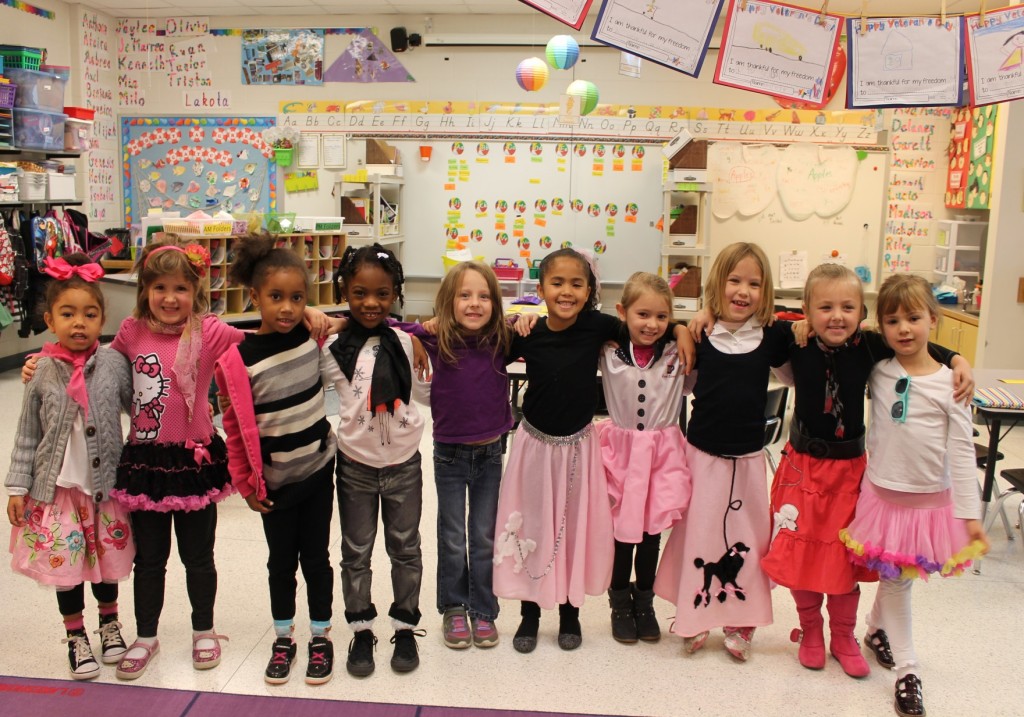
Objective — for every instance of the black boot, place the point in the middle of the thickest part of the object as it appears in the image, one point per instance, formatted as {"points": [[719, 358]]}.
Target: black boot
{"points": [[623, 622], [647, 628]]}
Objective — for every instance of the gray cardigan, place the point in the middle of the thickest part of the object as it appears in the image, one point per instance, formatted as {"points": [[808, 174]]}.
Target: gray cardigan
{"points": [[47, 415]]}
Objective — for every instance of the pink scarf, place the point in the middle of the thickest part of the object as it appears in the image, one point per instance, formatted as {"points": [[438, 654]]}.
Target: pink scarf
{"points": [[186, 358], [76, 386]]}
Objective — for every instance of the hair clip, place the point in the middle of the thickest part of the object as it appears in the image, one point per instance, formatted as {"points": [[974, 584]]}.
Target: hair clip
{"points": [[383, 255], [199, 257], [61, 270]]}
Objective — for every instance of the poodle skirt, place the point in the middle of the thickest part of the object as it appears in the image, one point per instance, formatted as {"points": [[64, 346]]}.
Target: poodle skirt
{"points": [[711, 566]]}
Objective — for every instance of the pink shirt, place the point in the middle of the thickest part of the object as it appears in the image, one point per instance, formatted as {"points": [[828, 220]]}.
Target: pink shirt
{"points": [[158, 411]]}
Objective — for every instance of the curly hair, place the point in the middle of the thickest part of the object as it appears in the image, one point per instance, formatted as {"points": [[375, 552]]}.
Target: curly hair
{"points": [[375, 255], [256, 256]]}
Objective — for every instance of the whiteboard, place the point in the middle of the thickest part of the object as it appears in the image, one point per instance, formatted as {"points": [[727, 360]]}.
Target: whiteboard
{"points": [[461, 187], [428, 210]]}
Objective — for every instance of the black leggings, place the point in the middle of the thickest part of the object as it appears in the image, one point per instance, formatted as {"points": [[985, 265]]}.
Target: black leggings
{"points": [[646, 562], [72, 602]]}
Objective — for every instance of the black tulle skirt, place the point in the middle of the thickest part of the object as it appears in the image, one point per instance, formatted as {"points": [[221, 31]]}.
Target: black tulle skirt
{"points": [[166, 476]]}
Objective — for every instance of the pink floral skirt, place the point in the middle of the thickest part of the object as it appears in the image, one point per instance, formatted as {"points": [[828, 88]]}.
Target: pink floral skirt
{"points": [[73, 540]]}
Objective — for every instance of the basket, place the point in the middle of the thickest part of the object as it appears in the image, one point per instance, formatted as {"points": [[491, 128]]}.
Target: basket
{"points": [[508, 270], [450, 263], [279, 222], [7, 92], [197, 227], [21, 58], [80, 113]]}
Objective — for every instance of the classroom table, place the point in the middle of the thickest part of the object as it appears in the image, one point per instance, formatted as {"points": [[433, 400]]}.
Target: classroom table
{"points": [[994, 417]]}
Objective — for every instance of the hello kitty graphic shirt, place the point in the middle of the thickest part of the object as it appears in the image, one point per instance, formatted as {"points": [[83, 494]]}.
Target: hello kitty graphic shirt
{"points": [[158, 413]]}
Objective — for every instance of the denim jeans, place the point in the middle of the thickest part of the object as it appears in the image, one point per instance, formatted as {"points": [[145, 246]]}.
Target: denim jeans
{"points": [[396, 492], [465, 577]]}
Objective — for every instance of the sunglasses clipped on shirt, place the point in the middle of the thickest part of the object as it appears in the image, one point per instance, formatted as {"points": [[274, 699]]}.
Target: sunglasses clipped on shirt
{"points": [[898, 412]]}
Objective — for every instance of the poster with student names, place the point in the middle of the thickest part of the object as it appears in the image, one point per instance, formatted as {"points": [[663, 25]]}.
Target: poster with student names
{"points": [[995, 55], [674, 34], [905, 62], [778, 49]]}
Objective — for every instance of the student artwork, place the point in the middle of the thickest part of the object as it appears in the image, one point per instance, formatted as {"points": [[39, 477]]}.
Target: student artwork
{"points": [[562, 51], [367, 59], [570, 12], [816, 180], [778, 49], [169, 166], [835, 78], [995, 55], [585, 93], [743, 176], [674, 34], [282, 57], [532, 74], [905, 62], [979, 177]]}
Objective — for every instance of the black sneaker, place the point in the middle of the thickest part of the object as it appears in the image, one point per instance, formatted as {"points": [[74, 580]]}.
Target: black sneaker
{"points": [[80, 658], [321, 660], [282, 655], [406, 657], [112, 645], [360, 654]]}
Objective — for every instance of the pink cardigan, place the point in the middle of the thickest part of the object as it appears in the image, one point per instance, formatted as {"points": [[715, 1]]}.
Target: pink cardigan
{"points": [[245, 463]]}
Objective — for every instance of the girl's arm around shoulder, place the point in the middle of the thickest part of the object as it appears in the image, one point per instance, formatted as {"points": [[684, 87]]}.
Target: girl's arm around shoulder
{"points": [[780, 336], [963, 376], [420, 386]]}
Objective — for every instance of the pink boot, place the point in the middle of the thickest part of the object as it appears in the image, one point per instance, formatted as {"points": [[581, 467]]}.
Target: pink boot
{"points": [[811, 635], [842, 620]]}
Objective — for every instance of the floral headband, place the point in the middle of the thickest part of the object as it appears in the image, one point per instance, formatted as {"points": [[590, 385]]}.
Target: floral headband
{"points": [[60, 270], [197, 256]]}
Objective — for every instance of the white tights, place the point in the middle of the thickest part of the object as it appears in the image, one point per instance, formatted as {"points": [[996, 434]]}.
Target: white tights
{"points": [[891, 612]]}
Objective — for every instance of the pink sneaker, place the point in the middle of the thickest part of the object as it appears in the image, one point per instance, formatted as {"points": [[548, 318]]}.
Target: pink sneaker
{"points": [[455, 628], [692, 644], [737, 641], [485, 633]]}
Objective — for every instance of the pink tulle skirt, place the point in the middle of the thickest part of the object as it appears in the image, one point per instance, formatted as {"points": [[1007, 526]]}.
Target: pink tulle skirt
{"points": [[73, 540], [908, 535], [553, 541], [648, 481]]}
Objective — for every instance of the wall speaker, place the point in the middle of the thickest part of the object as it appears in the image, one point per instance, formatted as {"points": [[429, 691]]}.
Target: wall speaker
{"points": [[399, 39]]}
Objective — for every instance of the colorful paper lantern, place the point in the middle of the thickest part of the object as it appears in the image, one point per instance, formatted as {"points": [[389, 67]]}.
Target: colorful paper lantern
{"points": [[586, 93], [562, 52], [532, 74]]}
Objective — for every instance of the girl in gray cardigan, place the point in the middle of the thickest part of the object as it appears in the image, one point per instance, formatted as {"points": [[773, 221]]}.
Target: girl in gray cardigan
{"points": [[66, 529]]}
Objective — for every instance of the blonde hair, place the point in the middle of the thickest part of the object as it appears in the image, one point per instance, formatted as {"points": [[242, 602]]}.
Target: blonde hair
{"points": [[161, 263], [642, 282], [450, 335], [909, 292], [725, 263], [831, 272]]}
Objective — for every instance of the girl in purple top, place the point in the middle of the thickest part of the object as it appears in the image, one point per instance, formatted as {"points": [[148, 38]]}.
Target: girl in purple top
{"points": [[469, 403]]}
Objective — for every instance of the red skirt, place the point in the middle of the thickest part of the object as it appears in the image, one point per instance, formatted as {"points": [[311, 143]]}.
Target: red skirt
{"points": [[812, 499]]}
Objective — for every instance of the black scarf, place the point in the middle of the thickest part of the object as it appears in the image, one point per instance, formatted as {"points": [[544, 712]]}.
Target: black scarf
{"points": [[391, 382], [833, 403]]}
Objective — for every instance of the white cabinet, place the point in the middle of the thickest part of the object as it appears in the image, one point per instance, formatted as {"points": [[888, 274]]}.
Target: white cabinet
{"points": [[686, 233], [371, 211], [959, 251]]}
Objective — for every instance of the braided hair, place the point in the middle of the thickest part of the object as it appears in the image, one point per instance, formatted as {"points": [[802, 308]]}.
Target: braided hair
{"points": [[257, 255], [374, 254]]}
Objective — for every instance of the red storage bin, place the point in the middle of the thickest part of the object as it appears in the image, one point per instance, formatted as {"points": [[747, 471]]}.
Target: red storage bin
{"points": [[80, 113], [507, 269]]}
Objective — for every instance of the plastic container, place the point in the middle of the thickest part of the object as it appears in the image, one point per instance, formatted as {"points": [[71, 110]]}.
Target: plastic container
{"points": [[508, 270], [18, 57], [38, 90], [60, 186], [34, 129], [32, 187], [80, 113], [8, 93], [61, 71], [77, 135]]}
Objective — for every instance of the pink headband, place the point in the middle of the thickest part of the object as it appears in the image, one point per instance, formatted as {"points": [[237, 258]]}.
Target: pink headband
{"points": [[197, 256], [60, 270]]}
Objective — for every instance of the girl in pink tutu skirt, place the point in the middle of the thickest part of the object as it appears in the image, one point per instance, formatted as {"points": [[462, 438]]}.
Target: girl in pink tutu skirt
{"points": [[67, 529], [554, 521], [643, 450], [918, 512]]}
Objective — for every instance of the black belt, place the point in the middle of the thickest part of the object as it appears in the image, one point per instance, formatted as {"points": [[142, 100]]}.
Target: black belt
{"points": [[820, 448]]}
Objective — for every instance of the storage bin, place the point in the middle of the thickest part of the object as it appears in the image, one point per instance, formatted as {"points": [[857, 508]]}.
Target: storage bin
{"points": [[8, 92], [32, 187], [35, 129], [506, 269], [80, 113], [686, 282], [38, 90], [9, 187], [318, 224], [60, 186], [16, 56], [77, 135], [685, 221]]}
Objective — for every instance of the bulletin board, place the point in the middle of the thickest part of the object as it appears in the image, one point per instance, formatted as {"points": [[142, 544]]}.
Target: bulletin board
{"points": [[506, 197], [187, 164], [461, 188]]}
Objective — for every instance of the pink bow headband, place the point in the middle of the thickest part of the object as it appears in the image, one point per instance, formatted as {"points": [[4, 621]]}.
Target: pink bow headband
{"points": [[197, 256], [60, 270]]}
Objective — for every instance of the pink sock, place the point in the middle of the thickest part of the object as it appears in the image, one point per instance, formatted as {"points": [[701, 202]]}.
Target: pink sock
{"points": [[108, 610], [74, 624]]}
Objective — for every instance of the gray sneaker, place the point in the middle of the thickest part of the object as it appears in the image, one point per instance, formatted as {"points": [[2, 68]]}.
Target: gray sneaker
{"points": [[455, 628], [485, 632]]}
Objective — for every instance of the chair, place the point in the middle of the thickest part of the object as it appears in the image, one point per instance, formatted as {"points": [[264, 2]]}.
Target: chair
{"points": [[1015, 477], [775, 416], [981, 455]]}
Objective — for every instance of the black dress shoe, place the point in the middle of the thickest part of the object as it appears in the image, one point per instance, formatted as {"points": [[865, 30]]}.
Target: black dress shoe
{"points": [[878, 641], [909, 698]]}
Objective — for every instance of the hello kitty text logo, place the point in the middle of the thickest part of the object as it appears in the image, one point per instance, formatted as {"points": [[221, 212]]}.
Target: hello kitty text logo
{"points": [[150, 386]]}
